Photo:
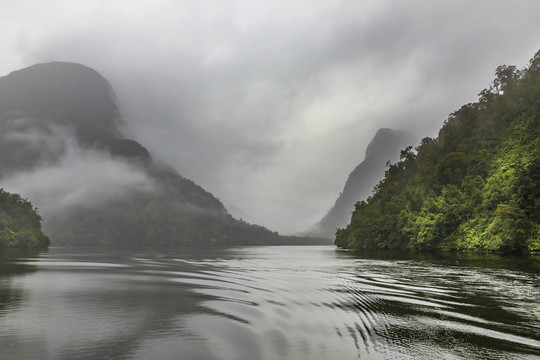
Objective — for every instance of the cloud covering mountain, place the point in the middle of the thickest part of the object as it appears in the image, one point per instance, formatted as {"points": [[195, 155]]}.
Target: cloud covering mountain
{"points": [[63, 147], [263, 102]]}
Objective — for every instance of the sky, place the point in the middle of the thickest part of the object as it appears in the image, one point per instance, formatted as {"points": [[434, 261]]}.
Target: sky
{"points": [[270, 105]]}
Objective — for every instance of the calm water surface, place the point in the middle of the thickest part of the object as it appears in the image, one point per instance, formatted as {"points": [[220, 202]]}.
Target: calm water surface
{"points": [[267, 303]]}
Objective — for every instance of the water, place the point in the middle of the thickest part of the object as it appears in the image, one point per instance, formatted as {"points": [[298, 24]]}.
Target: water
{"points": [[267, 303]]}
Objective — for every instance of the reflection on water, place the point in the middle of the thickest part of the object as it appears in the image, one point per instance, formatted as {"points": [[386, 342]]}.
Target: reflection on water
{"points": [[10, 295], [267, 303]]}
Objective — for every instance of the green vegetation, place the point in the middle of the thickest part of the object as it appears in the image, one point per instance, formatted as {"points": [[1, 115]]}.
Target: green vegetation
{"points": [[178, 213], [20, 225], [475, 187]]}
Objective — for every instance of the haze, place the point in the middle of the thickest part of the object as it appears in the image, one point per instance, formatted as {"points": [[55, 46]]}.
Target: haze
{"points": [[270, 104]]}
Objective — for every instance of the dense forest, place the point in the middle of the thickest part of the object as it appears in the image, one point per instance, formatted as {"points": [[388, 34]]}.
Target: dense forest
{"points": [[20, 224], [474, 187]]}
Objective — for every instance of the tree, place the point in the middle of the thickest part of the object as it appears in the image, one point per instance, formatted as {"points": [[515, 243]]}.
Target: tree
{"points": [[476, 186], [20, 224]]}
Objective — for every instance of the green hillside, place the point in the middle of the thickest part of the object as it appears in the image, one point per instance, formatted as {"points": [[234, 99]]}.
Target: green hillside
{"points": [[475, 187], [20, 224]]}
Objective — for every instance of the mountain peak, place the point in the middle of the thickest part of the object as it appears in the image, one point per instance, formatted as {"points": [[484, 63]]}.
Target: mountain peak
{"points": [[60, 66], [385, 146], [383, 138], [61, 93]]}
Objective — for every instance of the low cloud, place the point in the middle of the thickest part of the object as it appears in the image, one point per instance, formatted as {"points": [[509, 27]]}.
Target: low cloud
{"points": [[80, 177]]}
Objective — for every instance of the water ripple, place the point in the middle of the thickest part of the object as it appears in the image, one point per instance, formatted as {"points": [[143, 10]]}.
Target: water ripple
{"points": [[266, 303]]}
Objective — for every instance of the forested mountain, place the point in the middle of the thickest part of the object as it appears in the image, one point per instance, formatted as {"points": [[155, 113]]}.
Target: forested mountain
{"points": [[20, 224], [476, 186], [62, 142], [385, 146]]}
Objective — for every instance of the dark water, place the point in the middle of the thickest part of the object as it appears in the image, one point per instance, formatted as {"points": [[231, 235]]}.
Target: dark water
{"points": [[267, 303]]}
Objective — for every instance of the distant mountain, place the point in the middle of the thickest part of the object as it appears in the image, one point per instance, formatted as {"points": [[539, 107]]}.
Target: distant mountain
{"points": [[384, 147], [62, 144], [238, 213]]}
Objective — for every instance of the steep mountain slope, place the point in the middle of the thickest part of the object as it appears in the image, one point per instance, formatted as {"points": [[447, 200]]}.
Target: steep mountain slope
{"points": [[62, 145], [475, 187], [384, 147]]}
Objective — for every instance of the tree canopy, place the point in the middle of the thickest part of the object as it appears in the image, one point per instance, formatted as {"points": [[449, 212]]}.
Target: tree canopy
{"points": [[474, 187], [20, 224]]}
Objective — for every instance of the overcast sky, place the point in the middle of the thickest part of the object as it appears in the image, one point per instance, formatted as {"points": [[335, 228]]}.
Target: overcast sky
{"points": [[270, 104]]}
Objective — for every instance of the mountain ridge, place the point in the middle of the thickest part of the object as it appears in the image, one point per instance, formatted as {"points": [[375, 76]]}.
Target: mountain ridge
{"points": [[384, 146]]}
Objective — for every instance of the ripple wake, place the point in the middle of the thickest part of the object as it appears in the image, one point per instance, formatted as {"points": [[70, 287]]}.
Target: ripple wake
{"points": [[266, 303]]}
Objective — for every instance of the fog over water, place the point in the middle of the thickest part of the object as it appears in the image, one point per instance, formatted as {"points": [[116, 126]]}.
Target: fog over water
{"points": [[270, 104]]}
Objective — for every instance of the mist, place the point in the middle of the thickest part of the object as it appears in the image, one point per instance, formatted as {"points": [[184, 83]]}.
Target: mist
{"points": [[76, 177], [270, 105]]}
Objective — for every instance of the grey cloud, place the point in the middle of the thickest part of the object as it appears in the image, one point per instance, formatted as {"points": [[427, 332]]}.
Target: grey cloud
{"points": [[80, 177], [270, 104]]}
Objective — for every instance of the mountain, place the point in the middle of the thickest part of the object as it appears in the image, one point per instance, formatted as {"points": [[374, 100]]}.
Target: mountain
{"points": [[62, 144], [384, 147], [241, 214], [474, 187]]}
